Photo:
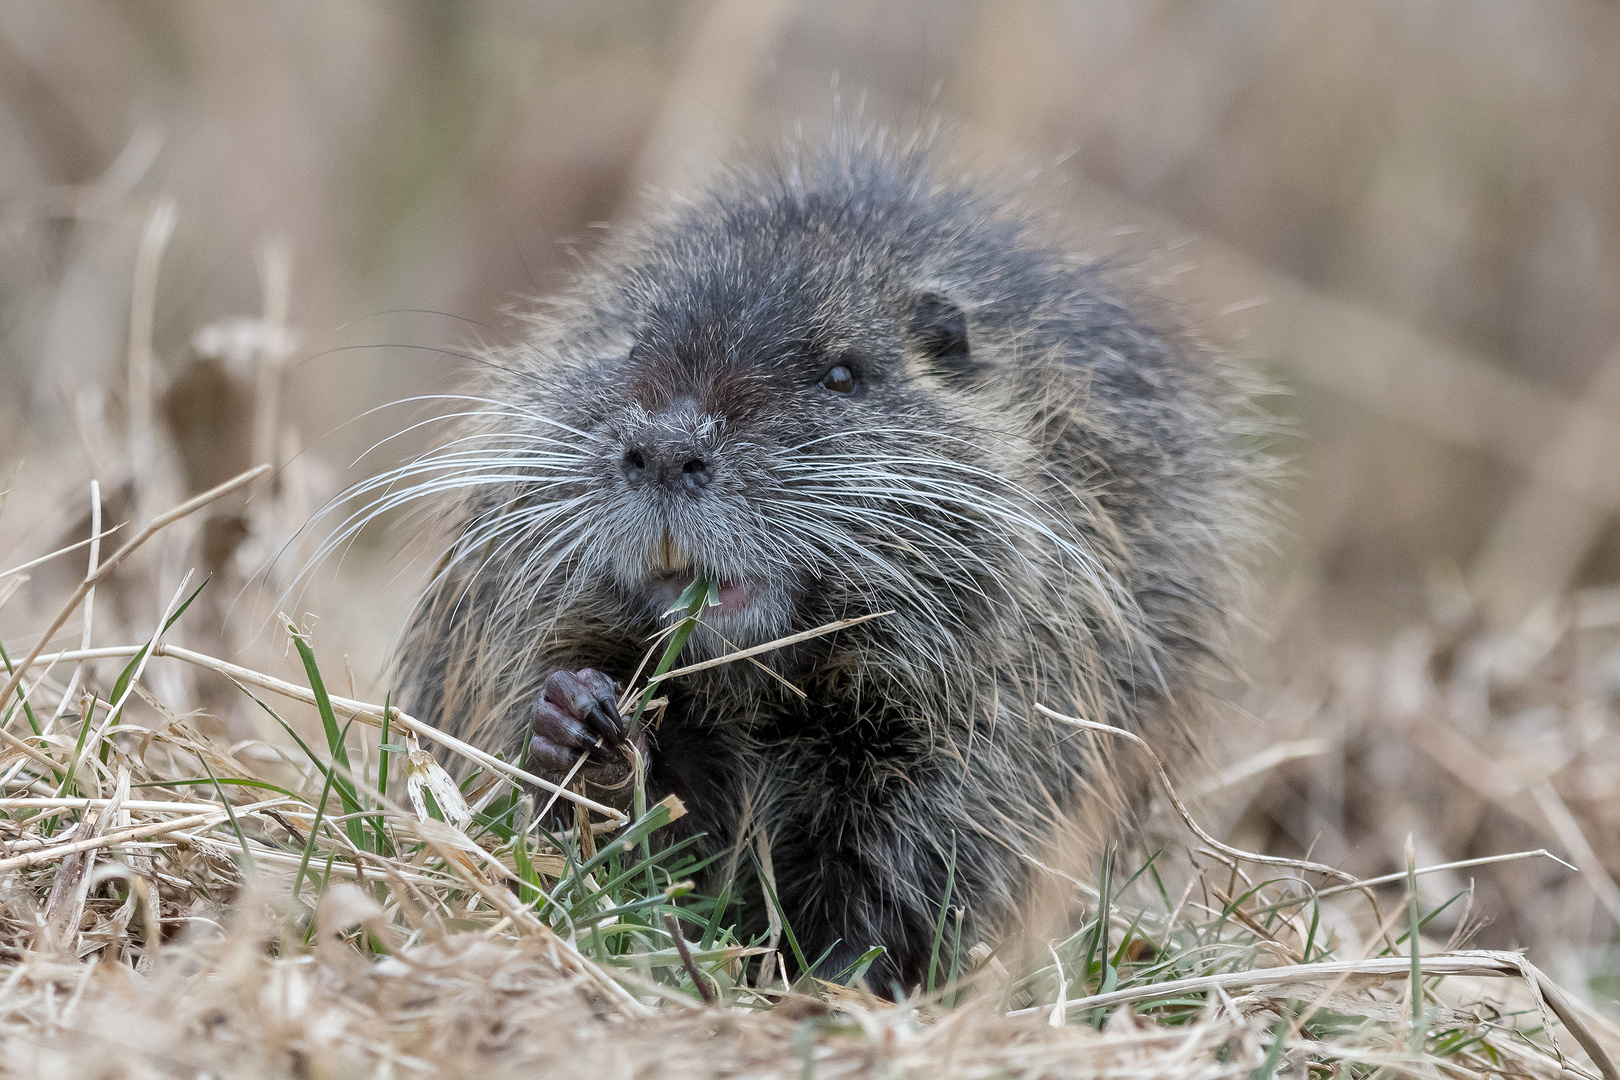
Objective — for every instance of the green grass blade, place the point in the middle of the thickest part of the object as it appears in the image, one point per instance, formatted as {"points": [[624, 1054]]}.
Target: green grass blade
{"points": [[339, 783], [230, 812], [227, 781], [711, 930], [1310, 934], [650, 903], [128, 674], [121, 685], [334, 739], [309, 843], [78, 750], [1098, 940], [529, 891], [382, 747], [1130, 934], [863, 963], [28, 710], [781, 913], [1279, 1044]]}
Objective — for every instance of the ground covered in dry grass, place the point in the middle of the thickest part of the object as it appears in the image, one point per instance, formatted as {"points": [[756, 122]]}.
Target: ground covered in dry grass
{"points": [[321, 899]]}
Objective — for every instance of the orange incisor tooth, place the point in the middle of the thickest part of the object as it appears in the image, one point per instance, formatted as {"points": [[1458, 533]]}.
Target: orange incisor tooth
{"points": [[671, 556]]}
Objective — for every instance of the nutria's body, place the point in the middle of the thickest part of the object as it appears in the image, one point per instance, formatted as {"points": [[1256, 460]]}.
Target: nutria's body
{"points": [[840, 387]]}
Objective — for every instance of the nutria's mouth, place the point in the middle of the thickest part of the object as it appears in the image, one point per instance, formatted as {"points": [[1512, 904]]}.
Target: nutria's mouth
{"points": [[674, 568], [735, 596]]}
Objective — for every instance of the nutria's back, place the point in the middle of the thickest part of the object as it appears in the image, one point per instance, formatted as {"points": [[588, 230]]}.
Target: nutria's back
{"points": [[840, 385]]}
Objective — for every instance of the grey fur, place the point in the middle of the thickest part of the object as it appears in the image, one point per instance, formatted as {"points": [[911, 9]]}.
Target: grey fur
{"points": [[1055, 510]]}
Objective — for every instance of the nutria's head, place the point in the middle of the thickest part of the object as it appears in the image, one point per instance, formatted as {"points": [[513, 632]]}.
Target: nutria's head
{"points": [[802, 389]]}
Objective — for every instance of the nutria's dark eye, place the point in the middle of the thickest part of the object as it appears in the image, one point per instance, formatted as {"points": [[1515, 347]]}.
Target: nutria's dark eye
{"points": [[839, 379]]}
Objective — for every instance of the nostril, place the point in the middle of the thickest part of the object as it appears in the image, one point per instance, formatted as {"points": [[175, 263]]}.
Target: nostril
{"points": [[695, 474], [635, 465]]}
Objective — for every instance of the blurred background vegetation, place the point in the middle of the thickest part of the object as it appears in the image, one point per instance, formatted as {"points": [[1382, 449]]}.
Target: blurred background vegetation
{"points": [[1406, 212]]}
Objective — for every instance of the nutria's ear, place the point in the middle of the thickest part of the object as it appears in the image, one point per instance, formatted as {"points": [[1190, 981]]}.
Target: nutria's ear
{"points": [[940, 330]]}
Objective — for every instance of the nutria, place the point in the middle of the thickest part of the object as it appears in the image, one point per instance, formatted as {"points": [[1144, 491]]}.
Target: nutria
{"points": [[843, 383]]}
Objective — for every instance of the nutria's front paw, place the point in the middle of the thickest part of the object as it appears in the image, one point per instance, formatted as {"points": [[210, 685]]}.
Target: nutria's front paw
{"points": [[578, 714]]}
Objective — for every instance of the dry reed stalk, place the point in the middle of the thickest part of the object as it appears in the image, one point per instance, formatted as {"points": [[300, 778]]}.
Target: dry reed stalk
{"points": [[137, 832]]}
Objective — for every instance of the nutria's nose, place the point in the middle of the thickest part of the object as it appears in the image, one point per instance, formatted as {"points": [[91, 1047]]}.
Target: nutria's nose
{"points": [[670, 449], [674, 467]]}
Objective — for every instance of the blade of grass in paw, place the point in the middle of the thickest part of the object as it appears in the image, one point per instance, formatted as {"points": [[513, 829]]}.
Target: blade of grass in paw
{"points": [[702, 593]]}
